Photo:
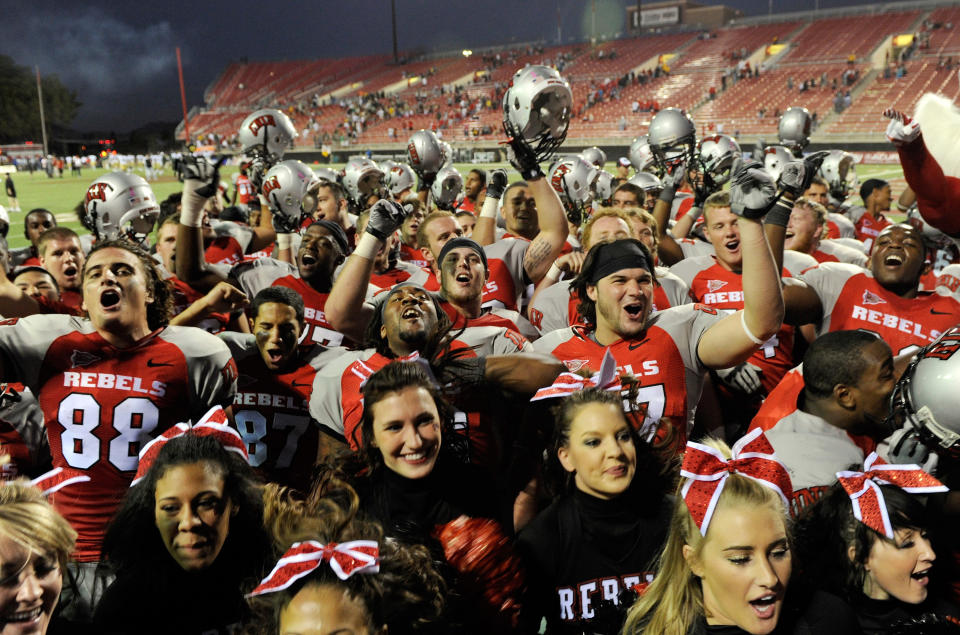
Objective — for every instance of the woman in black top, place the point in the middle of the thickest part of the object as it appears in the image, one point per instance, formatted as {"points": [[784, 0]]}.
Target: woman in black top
{"points": [[590, 551], [187, 543], [886, 579]]}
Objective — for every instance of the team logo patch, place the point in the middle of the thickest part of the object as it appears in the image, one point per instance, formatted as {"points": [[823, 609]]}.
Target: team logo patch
{"points": [[98, 192], [260, 122], [83, 358], [872, 298], [713, 285], [573, 365]]}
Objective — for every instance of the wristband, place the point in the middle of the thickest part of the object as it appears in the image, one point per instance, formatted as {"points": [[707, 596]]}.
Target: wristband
{"points": [[367, 246], [554, 273], [753, 338], [667, 194], [191, 210], [489, 208], [695, 212], [284, 241], [780, 214]]}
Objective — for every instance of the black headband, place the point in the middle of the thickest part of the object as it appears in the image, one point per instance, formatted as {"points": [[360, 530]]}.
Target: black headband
{"points": [[613, 256], [336, 232], [460, 241]]}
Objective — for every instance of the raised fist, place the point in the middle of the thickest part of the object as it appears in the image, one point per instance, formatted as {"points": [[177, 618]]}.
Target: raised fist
{"points": [[385, 217], [752, 191], [497, 183], [901, 129]]}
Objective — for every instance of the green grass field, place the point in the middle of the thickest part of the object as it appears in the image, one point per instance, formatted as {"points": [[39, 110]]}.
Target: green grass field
{"points": [[61, 195]]}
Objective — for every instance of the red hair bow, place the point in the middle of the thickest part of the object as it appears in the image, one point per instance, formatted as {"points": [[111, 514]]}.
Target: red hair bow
{"points": [[568, 383], [213, 424], [706, 471], [356, 556], [867, 497]]}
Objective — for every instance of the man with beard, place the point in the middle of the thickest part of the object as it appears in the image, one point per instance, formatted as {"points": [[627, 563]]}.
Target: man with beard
{"points": [[806, 231], [408, 323], [62, 255]]}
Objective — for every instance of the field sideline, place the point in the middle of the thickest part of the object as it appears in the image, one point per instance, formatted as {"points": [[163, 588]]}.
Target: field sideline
{"points": [[61, 195]]}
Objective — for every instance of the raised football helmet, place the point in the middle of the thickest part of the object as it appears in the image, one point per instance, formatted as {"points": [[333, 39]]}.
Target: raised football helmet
{"points": [[794, 129], [286, 187], [424, 152], [595, 157], [267, 133], [326, 174], [641, 156], [716, 155], [647, 182], [839, 171], [537, 108], [774, 160], [400, 177], [121, 205], [361, 179], [926, 395], [572, 178], [447, 153], [446, 187], [673, 139], [602, 187]]}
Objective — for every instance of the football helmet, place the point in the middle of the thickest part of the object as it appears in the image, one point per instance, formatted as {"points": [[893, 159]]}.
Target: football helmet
{"points": [[673, 139], [647, 182], [641, 156], [326, 174], [361, 179], [267, 133], [537, 107], [595, 157], [446, 187], [286, 187], [603, 187], [447, 153], [839, 171], [424, 152], [121, 205], [572, 178], [932, 236], [774, 160], [794, 129], [716, 155], [926, 395], [400, 177]]}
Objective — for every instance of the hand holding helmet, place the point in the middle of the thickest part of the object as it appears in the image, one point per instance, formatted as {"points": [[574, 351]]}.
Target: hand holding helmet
{"points": [[385, 218], [902, 129], [797, 175], [536, 116], [672, 181], [425, 156], [752, 191]]}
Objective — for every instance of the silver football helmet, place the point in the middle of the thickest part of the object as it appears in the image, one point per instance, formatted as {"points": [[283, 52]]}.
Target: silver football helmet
{"points": [[716, 155], [926, 395], [603, 187], [326, 174], [647, 182], [446, 187], [774, 160], [286, 187], [595, 157], [839, 171], [400, 178], [361, 179], [424, 152], [267, 133], [794, 129], [673, 138], [641, 156], [121, 205], [537, 107], [447, 153], [572, 178]]}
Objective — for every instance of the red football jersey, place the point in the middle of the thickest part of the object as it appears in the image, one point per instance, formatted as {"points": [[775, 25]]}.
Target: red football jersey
{"points": [[319, 331], [869, 227], [505, 284], [715, 286], [224, 250], [245, 190], [412, 255], [102, 404], [853, 299], [663, 359]]}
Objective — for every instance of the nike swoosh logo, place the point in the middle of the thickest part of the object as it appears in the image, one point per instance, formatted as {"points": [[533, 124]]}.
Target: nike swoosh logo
{"points": [[636, 345], [153, 364], [935, 312]]}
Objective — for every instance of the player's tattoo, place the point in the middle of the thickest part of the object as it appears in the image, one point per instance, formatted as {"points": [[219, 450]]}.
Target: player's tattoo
{"points": [[538, 253]]}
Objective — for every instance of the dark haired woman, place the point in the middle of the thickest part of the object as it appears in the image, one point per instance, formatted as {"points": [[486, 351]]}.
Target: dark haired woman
{"points": [[589, 552], [188, 540], [881, 564]]}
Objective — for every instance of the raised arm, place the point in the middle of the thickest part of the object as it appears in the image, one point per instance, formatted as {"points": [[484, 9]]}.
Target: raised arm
{"points": [[548, 244], [669, 250], [485, 231], [14, 302], [264, 233], [200, 180]]}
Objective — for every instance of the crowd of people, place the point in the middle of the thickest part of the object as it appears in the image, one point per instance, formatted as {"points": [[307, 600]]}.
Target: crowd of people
{"points": [[704, 393]]}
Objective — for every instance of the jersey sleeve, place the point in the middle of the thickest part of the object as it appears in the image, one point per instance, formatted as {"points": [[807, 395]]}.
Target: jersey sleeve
{"points": [[796, 263], [844, 225], [828, 280], [678, 291], [549, 310], [24, 343], [936, 193], [511, 251], [259, 274], [211, 368], [688, 268], [240, 233], [686, 324], [326, 403]]}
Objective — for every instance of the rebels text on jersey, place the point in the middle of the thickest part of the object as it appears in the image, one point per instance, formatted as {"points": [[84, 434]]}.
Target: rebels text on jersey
{"points": [[663, 359], [102, 404], [853, 299]]}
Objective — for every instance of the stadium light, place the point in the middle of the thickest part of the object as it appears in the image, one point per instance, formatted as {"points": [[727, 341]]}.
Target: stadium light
{"points": [[467, 52]]}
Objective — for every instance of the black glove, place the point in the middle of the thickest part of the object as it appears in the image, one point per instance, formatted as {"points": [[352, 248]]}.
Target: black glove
{"points": [[523, 158], [497, 183], [426, 180], [671, 183], [204, 174], [385, 217], [703, 187], [8, 395], [797, 175], [905, 447], [752, 192]]}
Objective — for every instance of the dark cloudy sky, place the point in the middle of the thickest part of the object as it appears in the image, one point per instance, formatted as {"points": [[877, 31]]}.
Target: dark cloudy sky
{"points": [[119, 55]]}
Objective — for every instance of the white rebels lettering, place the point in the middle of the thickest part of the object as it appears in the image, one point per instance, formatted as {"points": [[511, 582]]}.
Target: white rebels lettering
{"points": [[265, 399], [110, 381], [588, 592], [893, 322], [313, 314], [650, 367], [722, 297]]}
